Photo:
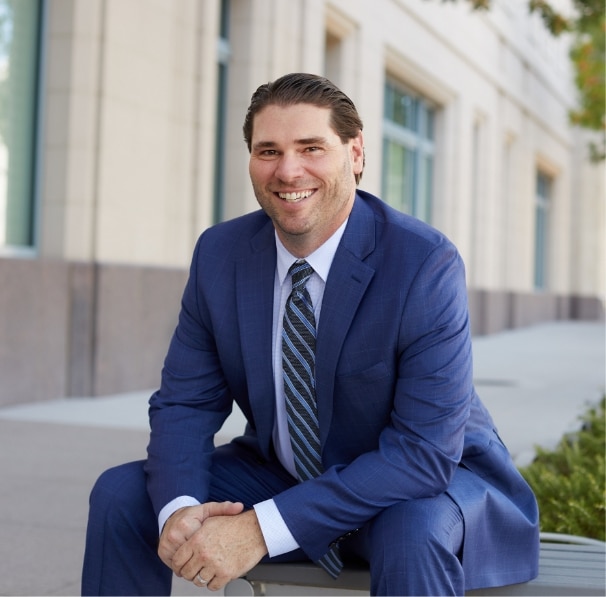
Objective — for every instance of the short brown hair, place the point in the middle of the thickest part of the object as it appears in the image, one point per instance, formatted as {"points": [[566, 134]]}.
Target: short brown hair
{"points": [[304, 88]]}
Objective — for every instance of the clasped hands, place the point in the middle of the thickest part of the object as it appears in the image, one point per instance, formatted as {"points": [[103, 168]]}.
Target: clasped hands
{"points": [[212, 543]]}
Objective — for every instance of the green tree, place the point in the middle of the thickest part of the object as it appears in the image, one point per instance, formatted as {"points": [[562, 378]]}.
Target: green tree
{"points": [[588, 29]]}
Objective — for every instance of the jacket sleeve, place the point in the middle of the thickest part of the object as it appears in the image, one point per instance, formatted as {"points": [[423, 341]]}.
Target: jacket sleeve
{"points": [[190, 407]]}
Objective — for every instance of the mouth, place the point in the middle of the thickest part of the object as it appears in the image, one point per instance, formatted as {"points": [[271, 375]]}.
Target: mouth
{"points": [[295, 197]]}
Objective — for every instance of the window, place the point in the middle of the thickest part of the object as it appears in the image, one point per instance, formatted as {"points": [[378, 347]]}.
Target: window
{"points": [[544, 192], [222, 66], [332, 57], [408, 152], [19, 51], [477, 206], [341, 48]]}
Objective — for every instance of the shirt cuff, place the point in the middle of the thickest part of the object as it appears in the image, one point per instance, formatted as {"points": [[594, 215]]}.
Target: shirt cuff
{"points": [[278, 537], [172, 506]]}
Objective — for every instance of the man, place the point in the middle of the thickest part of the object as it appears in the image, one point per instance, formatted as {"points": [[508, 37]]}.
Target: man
{"points": [[365, 437]]}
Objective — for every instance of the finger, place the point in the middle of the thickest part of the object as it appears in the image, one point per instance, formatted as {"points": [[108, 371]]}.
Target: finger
{"points": [[182, 524], [194, 566], [182, 562], [179, 527], [168, 545], [166, 551], [218, 582], [199, 580]]}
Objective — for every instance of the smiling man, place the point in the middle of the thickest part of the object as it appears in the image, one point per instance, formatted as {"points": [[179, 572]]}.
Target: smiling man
{"points": [[303, 174], [340, 328]]}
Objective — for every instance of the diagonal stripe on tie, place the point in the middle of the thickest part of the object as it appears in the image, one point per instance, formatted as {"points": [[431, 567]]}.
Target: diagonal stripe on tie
{"points": [[298, 364]]}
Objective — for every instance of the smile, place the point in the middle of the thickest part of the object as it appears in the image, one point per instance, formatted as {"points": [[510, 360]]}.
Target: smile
{"points": [[294, 197]]}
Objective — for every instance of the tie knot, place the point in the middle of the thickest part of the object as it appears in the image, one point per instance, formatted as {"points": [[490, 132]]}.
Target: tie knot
{"points": [[300, 272]]}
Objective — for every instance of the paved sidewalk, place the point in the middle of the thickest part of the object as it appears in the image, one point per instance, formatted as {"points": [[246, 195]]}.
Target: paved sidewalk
{"points": [[535, 381]]}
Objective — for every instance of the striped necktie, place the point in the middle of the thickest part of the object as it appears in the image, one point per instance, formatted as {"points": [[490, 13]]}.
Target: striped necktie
{"points": [[298, 364]]}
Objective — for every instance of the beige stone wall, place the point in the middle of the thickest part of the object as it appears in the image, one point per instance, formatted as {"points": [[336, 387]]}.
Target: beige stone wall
{"points": [[129, 129], [130, 107]]}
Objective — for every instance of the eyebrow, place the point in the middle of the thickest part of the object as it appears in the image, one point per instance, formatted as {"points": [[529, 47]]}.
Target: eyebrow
{"points": [[312, 141], [318, 140], [264, 145]]}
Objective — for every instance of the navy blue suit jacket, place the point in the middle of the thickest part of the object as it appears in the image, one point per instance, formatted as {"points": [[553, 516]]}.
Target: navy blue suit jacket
{"points": [[399, 416]]}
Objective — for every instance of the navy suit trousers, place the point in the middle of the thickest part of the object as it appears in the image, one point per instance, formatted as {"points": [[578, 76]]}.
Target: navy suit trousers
{"points": [[412, 548]]}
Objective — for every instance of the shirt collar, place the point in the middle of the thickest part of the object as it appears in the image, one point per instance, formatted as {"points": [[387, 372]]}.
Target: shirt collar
{"points": [[320, 259]]}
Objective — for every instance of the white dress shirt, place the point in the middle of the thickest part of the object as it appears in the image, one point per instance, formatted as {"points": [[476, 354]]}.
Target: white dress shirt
{"points": [[278, 537]]}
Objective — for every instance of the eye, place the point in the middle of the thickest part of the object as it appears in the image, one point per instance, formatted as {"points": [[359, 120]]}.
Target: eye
{"points": [[267, 154], [313, 149]]}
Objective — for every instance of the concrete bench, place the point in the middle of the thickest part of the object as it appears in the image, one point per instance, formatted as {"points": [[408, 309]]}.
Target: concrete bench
{"points": [[567, 566]]}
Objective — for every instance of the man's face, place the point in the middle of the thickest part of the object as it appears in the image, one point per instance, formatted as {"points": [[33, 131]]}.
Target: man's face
{"points": [[302, 174]]}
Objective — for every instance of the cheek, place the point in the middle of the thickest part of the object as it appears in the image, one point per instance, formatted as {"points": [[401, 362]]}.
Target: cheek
{"points": [[259, 171]]}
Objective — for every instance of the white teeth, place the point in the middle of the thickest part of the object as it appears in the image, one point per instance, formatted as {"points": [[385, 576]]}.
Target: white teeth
{"points": [[295, 196]]}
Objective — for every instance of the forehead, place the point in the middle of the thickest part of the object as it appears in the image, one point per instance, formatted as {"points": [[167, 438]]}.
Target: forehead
{"points": [[297, 121]]}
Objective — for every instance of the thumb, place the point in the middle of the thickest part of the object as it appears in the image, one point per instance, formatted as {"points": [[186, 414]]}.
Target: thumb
{"points": [[223, 508]]}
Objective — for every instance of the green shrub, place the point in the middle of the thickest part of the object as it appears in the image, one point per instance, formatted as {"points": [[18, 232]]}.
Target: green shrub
{"points": [[569, 481]]}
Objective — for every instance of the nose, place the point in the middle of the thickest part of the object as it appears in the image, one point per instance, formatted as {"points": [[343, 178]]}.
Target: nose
{"points": [[289, 167]]}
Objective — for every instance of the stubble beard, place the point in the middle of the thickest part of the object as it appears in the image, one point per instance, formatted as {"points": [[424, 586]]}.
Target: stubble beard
{"points": [[299, 236]]}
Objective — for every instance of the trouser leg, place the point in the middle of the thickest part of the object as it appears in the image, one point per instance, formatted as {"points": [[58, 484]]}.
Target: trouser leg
{"points": [[413, 548], [120, 557], [122, 535]]}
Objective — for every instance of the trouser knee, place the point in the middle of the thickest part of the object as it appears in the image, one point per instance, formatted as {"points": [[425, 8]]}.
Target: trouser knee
{"points": [[432, 522], [119, 498], [414, 548]]}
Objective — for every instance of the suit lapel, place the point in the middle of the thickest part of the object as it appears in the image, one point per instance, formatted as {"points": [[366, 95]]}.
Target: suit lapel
{"points": [[347, 282], [255, 314]]}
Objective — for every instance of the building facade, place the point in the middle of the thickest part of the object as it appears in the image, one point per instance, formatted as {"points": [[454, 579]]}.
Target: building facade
{"points": [[121, 140]]}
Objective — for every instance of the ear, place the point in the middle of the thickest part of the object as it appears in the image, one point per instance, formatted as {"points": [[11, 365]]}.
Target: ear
{"points": [[357, 153]]}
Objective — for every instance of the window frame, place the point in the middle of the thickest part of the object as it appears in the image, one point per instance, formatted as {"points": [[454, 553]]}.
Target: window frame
{"points": [[29, 248], [418, 142], [543, 199]]}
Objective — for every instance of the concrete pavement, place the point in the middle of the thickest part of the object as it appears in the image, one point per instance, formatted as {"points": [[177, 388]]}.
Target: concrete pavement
{"points": [[535, 381]]}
